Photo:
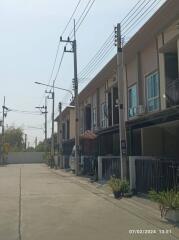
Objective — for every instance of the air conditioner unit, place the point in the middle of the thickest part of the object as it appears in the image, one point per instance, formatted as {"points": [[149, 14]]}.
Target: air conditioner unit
{"points": [[140, 110]]}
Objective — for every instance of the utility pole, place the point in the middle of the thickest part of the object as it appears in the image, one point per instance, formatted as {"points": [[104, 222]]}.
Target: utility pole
{"points": [[52, 162], [75, 85], [25, 145], [5, 109], [45, 113], [60, 148], [46, 146], [35, 142], [122, 130]]}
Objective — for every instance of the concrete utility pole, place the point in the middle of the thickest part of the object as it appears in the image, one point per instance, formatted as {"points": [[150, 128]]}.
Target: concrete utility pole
{"points": [[5, 109], [53, 105], [44, 112], [35, 142], [60, 148], [25, 145], [46, 124], [122, 130], [75, 84], [52, 163]]}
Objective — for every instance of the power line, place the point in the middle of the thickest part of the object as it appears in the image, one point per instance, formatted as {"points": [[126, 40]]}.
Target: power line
{"points": [[126, 20], [24, 112], [128, 16], [59, 66], [145, 13], [99, 60], [98, 53], [138, 14], [78, 26], [71, 17], [58, 46], [82, 16]]}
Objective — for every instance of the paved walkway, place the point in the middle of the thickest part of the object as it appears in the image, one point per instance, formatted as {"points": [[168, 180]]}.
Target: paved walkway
{"points": [[37, 203]]}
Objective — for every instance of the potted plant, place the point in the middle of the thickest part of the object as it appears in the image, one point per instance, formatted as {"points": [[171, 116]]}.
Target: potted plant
{"points": [[115, 185], [125, 188], [168, 203]]}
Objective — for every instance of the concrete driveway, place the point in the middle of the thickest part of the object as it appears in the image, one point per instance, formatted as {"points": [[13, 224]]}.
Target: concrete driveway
{"points": [[37, 203]]}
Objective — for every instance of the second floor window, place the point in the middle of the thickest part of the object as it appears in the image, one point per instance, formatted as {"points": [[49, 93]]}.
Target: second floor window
{"points": [[152, 83], [132, 100], [103, 115]]}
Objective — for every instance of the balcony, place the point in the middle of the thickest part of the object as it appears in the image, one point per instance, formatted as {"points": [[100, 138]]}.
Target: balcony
{"points": [[172, 92]]}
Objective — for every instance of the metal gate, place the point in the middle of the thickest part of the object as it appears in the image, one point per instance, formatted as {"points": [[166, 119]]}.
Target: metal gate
{"points": [[159, 174]]}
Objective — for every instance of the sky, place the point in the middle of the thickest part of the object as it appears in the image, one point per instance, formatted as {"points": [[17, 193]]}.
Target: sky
{"points": [[30, 31]]}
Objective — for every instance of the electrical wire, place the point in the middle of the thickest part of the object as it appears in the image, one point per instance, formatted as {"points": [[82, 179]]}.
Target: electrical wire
{"points": [[82, 17], [71, 17], [78, 26], [133, 11], [143, 15], [99, 60], [98, 53], [58, 47], [98, 63], [24, 112], [126, 20]]}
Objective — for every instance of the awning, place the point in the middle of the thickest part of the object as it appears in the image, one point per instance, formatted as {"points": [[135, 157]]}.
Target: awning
{"points": [[88, 135]]}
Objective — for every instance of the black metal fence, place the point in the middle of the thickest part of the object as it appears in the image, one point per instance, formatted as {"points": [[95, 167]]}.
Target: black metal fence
{"points": [[110, 167], [89, 165], [157, 174], [66, 159]]}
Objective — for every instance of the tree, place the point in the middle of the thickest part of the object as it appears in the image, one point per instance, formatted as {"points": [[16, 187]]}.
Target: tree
{"points": [[14, 138], [41, 147]]}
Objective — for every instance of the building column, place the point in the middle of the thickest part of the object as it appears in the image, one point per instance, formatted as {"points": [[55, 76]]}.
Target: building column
{"points": [[100, 173], [162, 80], [178, 54]]}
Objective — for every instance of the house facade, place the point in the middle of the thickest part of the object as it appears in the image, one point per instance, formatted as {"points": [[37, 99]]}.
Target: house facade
{"points": [[151, 67], [99, 109], [151, 106], [65, 134]]}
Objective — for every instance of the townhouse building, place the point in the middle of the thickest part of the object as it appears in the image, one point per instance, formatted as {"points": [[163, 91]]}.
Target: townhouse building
{"points": [[151, 83], [151, 67], [65, 134], [99, 109]]}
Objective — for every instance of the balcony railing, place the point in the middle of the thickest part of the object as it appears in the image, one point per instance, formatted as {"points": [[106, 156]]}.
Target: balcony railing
{"points": [[172, 92]]}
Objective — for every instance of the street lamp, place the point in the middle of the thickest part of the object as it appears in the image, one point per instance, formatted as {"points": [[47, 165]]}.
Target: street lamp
{"points": [[63, 89]]}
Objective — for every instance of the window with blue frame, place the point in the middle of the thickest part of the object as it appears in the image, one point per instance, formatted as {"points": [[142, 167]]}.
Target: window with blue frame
{"points": [[152, 83], [132, 101]]}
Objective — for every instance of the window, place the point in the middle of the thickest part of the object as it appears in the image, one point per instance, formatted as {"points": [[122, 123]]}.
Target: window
{"points": [[132, 100], [103, 115], [94, 117], [152, 83]]}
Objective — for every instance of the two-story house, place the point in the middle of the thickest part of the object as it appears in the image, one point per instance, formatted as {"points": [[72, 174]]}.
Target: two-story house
{"points": [[65, 134], [99, 109], [151, 67]]}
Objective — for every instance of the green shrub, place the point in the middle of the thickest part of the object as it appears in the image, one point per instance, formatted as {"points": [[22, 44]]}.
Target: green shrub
{"points": [[125, 186], [115, 184], [166, 199], [118, 185]]}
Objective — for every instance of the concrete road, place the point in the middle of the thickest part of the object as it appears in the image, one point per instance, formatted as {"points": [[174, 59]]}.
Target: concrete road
{"points": [[37, 203]]}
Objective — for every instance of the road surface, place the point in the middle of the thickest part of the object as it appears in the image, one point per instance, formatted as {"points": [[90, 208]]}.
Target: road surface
{"points": [[37, 203]]}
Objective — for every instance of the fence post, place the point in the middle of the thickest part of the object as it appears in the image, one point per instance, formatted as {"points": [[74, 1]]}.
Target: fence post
{"points": [[132, 173], [100, 174]]}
